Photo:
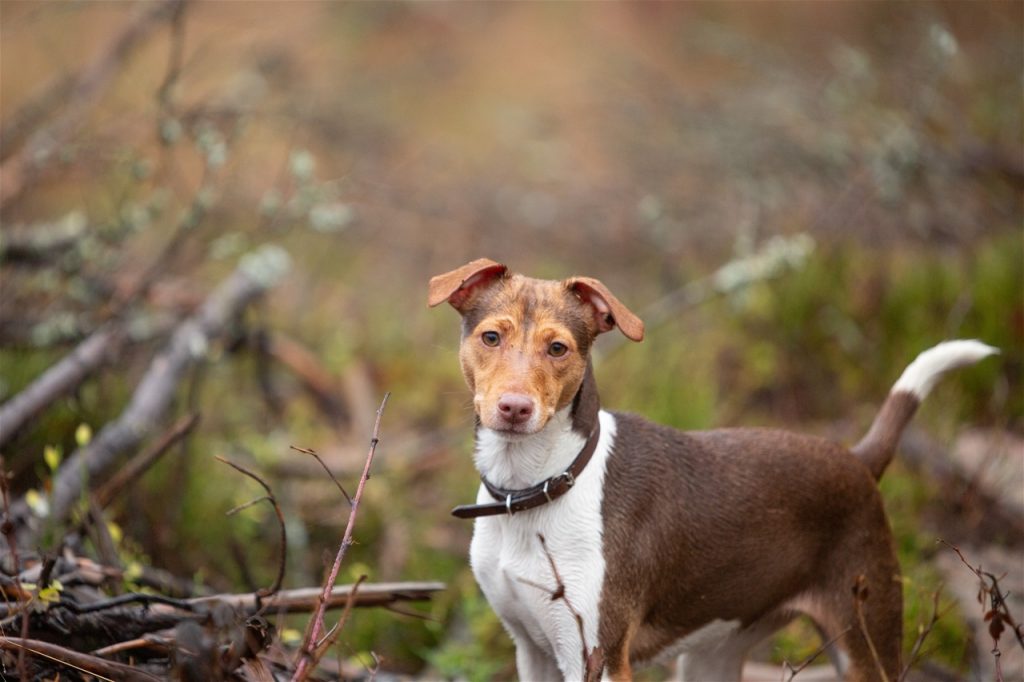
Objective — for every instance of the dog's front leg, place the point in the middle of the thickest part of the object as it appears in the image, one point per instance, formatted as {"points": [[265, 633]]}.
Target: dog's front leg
{"points": [[532, 662]]}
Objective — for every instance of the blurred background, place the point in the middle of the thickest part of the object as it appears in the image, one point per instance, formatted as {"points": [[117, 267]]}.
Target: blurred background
{"points": [[797, 198]]}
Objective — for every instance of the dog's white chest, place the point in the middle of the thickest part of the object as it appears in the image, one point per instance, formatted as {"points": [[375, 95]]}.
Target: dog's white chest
{"points": [[515, 573]]}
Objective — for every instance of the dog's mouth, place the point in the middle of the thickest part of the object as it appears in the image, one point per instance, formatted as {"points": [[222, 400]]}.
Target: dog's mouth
{"points": [[513, 431]]}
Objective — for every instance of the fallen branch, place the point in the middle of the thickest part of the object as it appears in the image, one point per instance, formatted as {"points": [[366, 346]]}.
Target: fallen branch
{"points": [[309, 656], [59, 380], [153, 395], [308, 599], [86, 663], [141, 463]]}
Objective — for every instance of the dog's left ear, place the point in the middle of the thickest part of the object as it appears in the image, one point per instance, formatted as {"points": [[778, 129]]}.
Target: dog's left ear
{"points": [[455, 286], [608, 310]]}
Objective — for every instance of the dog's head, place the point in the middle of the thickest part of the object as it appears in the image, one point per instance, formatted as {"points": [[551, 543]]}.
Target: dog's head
{"points": [[525, 342]]}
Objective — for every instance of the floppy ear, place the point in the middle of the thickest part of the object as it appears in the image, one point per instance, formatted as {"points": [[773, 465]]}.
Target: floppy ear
{"points": [[608, 310], [455, 286]]}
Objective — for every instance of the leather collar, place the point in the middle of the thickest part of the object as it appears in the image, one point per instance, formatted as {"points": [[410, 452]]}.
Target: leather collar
{"points": [[512, 501]]}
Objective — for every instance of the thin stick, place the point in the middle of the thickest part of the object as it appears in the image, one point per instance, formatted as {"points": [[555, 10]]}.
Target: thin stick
{"points": [[328, 639], [135, 468], [787, 667], [265, 592], [922, 634], [85, 663], [593, 659], [307, 451], [304, 666]]}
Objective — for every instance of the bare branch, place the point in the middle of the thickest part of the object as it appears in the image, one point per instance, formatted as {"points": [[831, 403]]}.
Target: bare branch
{"points": [[326, 468], [922, 635], [997, 613], [307, 660], [266, 592], [593, 659], [139, 465]]}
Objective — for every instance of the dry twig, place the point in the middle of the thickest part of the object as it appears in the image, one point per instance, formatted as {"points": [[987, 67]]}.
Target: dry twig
{"points": [[593, 659], [85, 663], [315, 456], [922, 635], [787, 667], [141, 463], [308, 655], [265, 592], [996, 612]]}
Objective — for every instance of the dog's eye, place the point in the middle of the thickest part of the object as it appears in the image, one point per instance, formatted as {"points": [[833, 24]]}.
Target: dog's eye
{"points": [[491, 339], [557, 349]]}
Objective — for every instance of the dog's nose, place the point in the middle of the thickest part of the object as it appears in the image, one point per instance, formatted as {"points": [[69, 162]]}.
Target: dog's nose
{"points": [[515, 407]]}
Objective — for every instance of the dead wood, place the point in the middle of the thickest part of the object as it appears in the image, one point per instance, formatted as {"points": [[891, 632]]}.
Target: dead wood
{"points": [[59, 380], [307, 599], [66, 658], [152, 398]]}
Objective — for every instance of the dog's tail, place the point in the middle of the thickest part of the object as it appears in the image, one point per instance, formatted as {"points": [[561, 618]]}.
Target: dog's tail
{"points": [[877, 447]]}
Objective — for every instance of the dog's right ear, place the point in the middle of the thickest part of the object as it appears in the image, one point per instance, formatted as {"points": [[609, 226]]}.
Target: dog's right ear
{"points": [[456, 286]]}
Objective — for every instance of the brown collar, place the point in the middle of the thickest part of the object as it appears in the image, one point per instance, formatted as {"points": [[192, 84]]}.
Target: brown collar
{"points": [[512, 501]]}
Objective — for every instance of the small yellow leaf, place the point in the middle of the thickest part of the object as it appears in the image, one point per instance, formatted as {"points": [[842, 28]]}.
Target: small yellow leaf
{"points": [[291, 636], [38, 503], [52, 593], [83, 434], [51, 455], [133, 571], [115, 532]]}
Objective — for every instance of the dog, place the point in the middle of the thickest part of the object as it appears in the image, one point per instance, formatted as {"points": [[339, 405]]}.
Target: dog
{"points": [[602, 533]]}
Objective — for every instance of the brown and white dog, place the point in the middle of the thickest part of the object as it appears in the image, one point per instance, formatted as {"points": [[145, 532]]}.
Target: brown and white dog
{"points": [[668, 543]]}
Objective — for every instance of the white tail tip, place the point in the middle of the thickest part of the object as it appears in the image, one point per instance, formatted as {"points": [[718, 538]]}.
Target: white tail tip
{"points": [[920, 376]]}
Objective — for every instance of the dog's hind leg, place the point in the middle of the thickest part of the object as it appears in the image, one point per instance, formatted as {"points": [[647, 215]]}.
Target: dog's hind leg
{"points": [[723, 659], [863, 609]]}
